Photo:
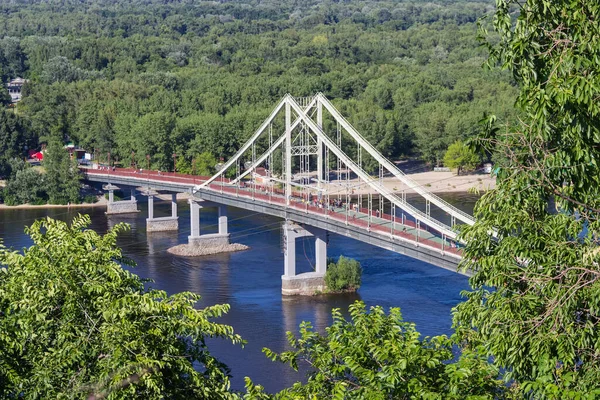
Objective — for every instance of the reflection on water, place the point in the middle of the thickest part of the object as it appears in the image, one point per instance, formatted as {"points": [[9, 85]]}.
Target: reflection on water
{"points": [[250, 281]]}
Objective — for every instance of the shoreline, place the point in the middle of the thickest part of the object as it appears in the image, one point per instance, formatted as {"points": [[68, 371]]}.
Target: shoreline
{"points": [[100, 203]]}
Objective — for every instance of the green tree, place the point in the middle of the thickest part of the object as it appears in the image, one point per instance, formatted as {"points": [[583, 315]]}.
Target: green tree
{"points": [[431, 131], [75, 324], [205, 164], [15, 139], [536, 283], [460, 156], [5, 98], [345, 274], [151, 134], [61, 178], [376, 355], [25, 185]]}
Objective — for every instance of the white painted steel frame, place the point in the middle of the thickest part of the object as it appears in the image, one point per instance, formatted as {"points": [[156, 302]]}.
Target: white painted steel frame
{"points": [[444, 205]]}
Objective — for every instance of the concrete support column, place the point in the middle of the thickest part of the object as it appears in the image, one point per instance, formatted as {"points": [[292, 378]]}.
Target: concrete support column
{"points": [[161, 224], [150, 206], [210, 240], [321, 254], [133, 195], [174, 205], [289, 266], [194, 218], [308, 283], [223, 220], [119, 207]]}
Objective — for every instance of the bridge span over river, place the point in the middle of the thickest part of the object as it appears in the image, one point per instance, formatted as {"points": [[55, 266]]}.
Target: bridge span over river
{"points": [[307, 165]]}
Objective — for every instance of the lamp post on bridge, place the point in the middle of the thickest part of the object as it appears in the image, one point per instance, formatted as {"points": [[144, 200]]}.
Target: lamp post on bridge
{"points": [[174, 162], [132, 159], [194, 170]]}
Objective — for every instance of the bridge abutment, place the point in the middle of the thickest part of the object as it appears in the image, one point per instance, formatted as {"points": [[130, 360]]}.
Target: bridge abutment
{"points": [[161, 224], [122, 206], [309, 283]]}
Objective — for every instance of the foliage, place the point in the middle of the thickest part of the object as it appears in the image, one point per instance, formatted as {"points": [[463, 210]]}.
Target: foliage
{"points": [[536, 282], [15, 139], [379, 356], [76, 324], [62, 179], [159, 77], [343, 275], [90, 198], [60, 69], [460, 156], [5, 98], [205, 164], [25, 185]]}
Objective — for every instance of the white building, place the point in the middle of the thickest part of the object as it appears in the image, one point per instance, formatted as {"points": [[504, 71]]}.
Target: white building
{"points": [[14, 88]]}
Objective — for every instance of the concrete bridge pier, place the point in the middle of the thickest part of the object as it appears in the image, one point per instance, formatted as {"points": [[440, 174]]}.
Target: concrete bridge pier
{"points": [[161, 224], [212, 239], [308, 283], [122, 206]]}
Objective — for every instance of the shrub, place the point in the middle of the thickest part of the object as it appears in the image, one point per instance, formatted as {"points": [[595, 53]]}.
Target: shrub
{"points": [[118, 195], [343, 275], [90, 198]]}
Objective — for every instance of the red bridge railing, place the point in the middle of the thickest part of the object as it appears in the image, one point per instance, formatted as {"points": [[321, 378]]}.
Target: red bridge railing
{"points": [[277, 196]]}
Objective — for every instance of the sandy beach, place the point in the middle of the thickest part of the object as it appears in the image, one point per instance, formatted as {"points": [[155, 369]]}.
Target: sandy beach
{"points": [[436, 182]]}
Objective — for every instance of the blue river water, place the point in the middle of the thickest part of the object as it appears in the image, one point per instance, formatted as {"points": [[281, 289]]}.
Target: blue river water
{"points": [[250, 281]]}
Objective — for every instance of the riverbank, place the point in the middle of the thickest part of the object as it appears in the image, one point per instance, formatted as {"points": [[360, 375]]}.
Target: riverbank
{"points": [[100, 203]]}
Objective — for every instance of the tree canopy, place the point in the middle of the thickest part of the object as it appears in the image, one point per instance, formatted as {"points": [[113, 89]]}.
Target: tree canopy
{"points": [[75, 324], [536, 286], [460, 156], [375, 355], [201, 77]]}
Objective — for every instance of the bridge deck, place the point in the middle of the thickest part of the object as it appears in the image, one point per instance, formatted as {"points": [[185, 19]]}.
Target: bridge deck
{"points": [[404, 238]]}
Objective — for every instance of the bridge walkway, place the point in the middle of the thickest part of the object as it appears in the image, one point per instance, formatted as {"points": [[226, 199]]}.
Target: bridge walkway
{"points": [[383, 224]]}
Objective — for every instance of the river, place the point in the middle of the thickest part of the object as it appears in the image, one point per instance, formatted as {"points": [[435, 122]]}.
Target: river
{"points": [[250, 281]]}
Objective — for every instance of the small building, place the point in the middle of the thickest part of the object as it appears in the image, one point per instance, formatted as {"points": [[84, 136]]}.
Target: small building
{"points": [[15, 88]]}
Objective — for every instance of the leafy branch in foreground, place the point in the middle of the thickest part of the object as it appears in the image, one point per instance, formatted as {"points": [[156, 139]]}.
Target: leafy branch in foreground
{"points": [[535, 303], [379, 356], [75, 324]]}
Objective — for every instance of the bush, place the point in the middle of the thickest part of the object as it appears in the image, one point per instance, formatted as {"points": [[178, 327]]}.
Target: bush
{"points": [[25, 185], [343, 275], [90, 198], [118, 195]]}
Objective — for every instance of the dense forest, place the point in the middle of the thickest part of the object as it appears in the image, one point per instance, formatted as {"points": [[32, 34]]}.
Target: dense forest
{"points": [[156, 77]]}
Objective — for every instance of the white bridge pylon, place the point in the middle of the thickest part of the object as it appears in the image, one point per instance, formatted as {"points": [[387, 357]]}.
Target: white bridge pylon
{"points": [[302, 152]]}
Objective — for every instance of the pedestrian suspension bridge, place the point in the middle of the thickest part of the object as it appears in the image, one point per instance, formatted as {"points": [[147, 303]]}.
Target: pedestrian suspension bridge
{"points": [[308, 165]]}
